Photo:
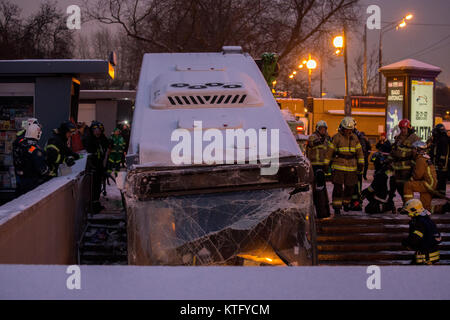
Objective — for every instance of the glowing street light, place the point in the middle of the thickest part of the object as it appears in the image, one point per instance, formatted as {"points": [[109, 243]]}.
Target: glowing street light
{"points": [[311, 64], [338, 42], [409, 17]]}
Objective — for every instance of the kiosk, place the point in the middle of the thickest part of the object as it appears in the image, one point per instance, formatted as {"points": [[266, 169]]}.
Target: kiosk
{"points": [[410, 93]]}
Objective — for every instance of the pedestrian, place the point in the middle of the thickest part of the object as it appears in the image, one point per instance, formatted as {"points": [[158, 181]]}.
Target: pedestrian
{"points": [[383, 144], [316, 151], [381, 191], [29, 160], [423, 179], [116, 152], [58, 148], [346, 158], [439, 152], [402, 155], [423, 236], [96, 145]]}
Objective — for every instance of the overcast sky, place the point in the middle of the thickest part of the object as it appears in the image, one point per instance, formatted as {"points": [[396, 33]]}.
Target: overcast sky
{"points": [[426, 38]]}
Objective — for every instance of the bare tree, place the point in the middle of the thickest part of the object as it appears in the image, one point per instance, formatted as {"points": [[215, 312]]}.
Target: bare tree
{"points": [[372, 73], [42, 35]]}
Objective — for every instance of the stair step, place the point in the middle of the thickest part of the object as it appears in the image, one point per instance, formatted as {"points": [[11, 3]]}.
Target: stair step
{"points": [[372, 256], [94, 255], [375, 219], [378, 228], [378, 263], [368, 237], [365, 247]]}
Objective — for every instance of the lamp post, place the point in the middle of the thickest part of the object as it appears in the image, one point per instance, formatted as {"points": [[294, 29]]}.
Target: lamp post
{"points": [[310, 64], [340, 43], [394, 25]]}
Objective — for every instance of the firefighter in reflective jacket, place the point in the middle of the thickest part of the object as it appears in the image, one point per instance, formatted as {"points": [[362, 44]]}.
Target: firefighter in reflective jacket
{"points": [[401, 154], [316, 151], [58, 150], [346, 158], [423, 178], [381, 191], [29, 160], [423, 235]]}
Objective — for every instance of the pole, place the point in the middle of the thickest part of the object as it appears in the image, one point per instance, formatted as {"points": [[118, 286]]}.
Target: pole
{"points": [[380, 50], [347, 106], [365, 61], [309, 82]]}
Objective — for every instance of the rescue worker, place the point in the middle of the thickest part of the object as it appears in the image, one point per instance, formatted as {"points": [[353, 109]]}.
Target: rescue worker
{"points": [[316, 151], [356, 203], [116, 152], [29, 160], [423, 178], [423, 236], [20, 135], [346, 158], [58, 150], [401, 154], [439, 151], [97, 145], [381, 191]]}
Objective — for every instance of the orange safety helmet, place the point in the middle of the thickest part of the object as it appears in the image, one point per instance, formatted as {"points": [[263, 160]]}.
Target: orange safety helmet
{"points": [[405, 123]]}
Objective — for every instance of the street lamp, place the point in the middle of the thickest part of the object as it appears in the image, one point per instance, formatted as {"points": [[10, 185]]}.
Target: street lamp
{"points": [[394, 25], [311, 64], [340, 43]]}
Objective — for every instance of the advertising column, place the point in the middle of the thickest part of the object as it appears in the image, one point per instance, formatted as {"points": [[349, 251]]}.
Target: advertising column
{"points": [[422, 107], [394, 110]]}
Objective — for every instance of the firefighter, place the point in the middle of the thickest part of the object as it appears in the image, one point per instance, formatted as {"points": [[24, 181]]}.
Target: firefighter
{"points": [[356, 203], [97, 145], [58, 150], [401, 154], [423, 236], [346, 158], [29, 160], [423, 178], [381, 191], [316, 151], [116, 152], [439, 150]]}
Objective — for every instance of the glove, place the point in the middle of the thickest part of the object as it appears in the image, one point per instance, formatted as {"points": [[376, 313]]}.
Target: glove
{"points": [[70, 161]]}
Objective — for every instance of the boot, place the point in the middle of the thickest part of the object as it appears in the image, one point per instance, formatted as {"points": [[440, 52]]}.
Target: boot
{"points": [[337, 211]]}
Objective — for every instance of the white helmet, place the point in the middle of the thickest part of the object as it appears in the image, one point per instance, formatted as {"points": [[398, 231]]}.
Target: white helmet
{"points": [[34, 131], [321, 123]]}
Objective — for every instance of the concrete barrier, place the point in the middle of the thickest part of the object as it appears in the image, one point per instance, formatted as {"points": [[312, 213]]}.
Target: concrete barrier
{"points": [[44, 225]]}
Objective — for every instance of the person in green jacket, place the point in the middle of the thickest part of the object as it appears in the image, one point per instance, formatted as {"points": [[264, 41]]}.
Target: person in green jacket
{"points": [[116, 152]]}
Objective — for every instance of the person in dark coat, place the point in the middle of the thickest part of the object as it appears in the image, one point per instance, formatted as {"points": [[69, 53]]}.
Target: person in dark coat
{"points": [[29, 160], [439, 152], [383, 145], [96, 145], [58, 150], [423, 237]]}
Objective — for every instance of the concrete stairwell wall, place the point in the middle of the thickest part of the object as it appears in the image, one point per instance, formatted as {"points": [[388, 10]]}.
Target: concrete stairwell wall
{"points": [[44, 225]]}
